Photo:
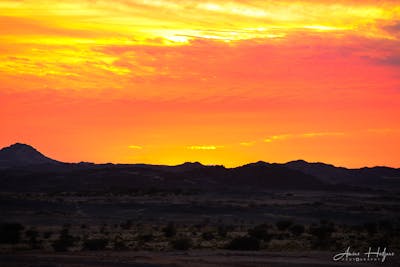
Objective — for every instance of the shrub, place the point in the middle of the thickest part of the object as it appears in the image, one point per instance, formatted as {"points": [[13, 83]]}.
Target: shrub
{"points": [[322, 235], [169, 230], [223, 230], [127, 225], [61, 245], [147, 237], [31, 233], [283, 225], [297, 229], [244, 243], [120, 245], [47, 235], [260, 232], [322, 231], [10, 233], [95, 244], [181, 243], [32, 236], [208, 236], [64, 241]]}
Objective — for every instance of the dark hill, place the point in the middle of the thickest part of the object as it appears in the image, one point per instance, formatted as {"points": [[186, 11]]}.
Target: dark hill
{"points": [[22, 155], [29, 170], [23, 168], [375, 177]]}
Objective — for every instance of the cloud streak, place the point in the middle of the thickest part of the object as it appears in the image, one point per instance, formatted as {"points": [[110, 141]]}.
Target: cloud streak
{"points": [[283, 137], [204, 147], [135, 147]]}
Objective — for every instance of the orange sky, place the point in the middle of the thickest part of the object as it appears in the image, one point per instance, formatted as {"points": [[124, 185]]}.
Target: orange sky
{"points": [[220, 82]]}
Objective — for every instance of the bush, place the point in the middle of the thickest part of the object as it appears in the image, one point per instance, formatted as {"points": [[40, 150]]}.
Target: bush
{"points": [[147, 237], [283, 225], [321, 232], [244, 243], [182, 243], [127, 225], [208, 236], [169, 230], [61, 245], [297, 229], [64, 241], [120, 245], [47, 234], [260, 232], [10, 233], [31, 233], [32, 236], [322, 235], [223, 230], [95, 244]]}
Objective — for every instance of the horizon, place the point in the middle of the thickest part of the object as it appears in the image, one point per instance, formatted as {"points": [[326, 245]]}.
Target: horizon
{"points": [[227, 83], [194, 162]]}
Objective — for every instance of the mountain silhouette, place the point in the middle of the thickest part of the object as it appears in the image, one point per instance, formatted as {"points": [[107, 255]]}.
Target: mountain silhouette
{"points": [[22, 155], [22, 167], [376, 177], [323, 171]]}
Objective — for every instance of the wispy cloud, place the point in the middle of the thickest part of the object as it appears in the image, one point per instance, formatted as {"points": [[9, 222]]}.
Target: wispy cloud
{"points": [[310, 135], [207, 147], [301, 135], [135, 147], [247, 143], [277, 137]]}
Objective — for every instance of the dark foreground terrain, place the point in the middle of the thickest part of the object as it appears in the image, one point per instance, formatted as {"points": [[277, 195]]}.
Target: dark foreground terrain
{"points": [[291, 228], [297, 214], [177, 259]]}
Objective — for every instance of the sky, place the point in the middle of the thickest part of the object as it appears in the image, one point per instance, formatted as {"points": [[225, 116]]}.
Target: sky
{"points": [[219, 82]]}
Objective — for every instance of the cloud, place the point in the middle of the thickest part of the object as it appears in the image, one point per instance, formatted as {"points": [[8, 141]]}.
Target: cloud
{"points": [[393, 28], [247, 143], [281, 137], [310, 135], [135, 147], [208, 147], [92, 44], [277, 137], [393, 60]]}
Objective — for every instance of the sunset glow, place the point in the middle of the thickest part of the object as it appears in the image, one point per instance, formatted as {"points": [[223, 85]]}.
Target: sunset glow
{"points": [[220, 82]]}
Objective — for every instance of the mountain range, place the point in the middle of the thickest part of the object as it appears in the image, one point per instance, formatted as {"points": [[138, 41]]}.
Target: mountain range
{"points": [[23, 168]]}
